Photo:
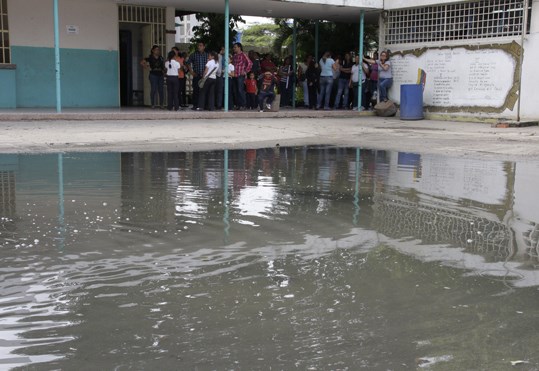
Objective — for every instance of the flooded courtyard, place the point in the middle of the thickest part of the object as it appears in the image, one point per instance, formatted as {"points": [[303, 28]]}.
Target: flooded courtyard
{"points": [[310, 258]]}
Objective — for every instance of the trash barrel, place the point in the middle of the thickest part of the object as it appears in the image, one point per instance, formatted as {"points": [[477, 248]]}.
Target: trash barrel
{"points": [[411, 106]]}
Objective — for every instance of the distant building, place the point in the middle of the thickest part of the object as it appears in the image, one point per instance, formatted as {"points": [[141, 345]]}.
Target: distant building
{"points": [[184, 28]]}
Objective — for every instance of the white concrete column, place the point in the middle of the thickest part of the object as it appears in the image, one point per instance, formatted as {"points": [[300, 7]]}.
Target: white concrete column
{"points": [[534, 22], [170, 25], [381, 31]]}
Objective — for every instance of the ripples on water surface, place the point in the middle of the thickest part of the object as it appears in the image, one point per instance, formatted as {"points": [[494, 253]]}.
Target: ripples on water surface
{"points": [[310, 258]]}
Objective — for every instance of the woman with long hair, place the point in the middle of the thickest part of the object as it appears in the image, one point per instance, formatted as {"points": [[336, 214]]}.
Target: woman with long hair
{"points": [[173, 83], [156, 64]]}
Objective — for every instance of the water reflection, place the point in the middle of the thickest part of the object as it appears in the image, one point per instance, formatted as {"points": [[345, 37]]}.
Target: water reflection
{"points": [[300, 257]]}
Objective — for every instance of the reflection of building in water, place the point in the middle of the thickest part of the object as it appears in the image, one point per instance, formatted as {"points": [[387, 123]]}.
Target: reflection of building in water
{"points": [[435, 224], [145, 200], [482, 206], [9, 165], [7, 189], [525, 213]]}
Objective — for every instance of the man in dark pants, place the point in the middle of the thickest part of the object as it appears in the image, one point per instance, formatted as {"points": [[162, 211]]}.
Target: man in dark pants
{"points": [[242, 65], [220, 81], [197, 61]]}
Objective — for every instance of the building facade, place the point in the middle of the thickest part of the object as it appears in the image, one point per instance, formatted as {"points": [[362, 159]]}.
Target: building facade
{"points": [[471, 53], [470, 50]]}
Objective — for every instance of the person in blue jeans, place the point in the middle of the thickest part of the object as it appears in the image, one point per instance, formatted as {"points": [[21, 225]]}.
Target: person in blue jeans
{"points": [[385, 76], [156, 64], [327, 66], [345, 67]]}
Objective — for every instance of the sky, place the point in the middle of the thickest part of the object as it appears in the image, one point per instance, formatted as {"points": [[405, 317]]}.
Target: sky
{"points": [[249, 21]]}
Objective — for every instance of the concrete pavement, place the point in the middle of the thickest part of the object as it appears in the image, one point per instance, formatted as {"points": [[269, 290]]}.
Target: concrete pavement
{"points": [[34, 131]]}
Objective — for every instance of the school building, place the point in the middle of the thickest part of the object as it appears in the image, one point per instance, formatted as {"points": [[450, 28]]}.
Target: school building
{"points": [[471, 50]]}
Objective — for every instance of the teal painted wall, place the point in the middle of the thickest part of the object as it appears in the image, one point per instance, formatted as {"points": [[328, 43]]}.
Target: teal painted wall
{"points": [[89, 78], [8, 88]]}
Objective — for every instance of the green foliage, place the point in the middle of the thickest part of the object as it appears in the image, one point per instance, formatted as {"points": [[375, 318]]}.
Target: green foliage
{"points": [[260, 35], [211, 30], [336, 37]]}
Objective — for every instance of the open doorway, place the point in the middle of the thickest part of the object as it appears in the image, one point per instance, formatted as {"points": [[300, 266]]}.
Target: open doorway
{"points": [[140, 28]]}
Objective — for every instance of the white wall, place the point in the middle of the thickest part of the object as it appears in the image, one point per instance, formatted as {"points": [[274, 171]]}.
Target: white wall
{"points": [[498, 76], [31, 23], [458, 77]]}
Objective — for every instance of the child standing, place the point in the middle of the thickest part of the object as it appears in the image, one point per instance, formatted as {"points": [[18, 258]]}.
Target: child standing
{"points": [[252, 90]]}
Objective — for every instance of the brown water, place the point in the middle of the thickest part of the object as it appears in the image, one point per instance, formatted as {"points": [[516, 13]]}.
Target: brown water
{"points": [[310, 258]]}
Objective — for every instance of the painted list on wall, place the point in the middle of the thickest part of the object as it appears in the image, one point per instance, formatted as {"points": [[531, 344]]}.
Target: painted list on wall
{"points": [[457, 77]]}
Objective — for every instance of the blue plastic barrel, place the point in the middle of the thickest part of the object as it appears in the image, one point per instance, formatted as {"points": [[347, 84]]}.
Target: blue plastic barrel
{"points": [[411, 107]]}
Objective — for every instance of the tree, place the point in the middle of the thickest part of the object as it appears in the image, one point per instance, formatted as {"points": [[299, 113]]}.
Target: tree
{"points": [[336, 37], [260, 35], [211, 30]]}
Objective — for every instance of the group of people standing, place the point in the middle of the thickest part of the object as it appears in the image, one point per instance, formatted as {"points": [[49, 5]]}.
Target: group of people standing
{"points": [[333, 82], [252, 80]]}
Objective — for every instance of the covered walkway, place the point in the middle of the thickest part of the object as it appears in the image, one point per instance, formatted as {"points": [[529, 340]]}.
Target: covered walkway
{"points": [[349, 11]]}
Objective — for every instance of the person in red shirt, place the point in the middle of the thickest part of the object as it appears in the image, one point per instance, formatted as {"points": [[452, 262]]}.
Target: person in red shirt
{"points": [[267, 64], [252, 90], [266, 94], [242, 65]]}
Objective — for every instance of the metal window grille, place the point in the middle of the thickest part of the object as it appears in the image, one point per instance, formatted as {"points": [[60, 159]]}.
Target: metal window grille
{"points": [[154, 16], [461, 21], [5, 55]]}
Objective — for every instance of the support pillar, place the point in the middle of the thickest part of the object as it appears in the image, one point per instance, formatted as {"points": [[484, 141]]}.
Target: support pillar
{"points": [[294, 51], [57, 57], [227, 52], [360, 52], [316, 41]]}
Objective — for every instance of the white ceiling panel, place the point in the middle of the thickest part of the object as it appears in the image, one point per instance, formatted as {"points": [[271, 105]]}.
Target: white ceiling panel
{"points": [[333, 10]]}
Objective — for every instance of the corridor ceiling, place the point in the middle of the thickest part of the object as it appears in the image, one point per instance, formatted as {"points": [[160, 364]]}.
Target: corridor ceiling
{"points": [[331, 10]]}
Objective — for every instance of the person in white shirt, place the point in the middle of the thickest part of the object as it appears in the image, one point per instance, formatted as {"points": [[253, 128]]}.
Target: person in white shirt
{"points": [[359, 72], [173, 83], [231, 75], [327, 66], [207, 94], [220, 81]]}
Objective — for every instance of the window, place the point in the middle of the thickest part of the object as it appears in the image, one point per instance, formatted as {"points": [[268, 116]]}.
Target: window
{"points": [[5, 55], [461, 21], [154, 16]]}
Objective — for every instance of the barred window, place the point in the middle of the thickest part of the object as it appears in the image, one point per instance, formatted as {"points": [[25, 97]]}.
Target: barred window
{"points": [[461, 21], [154, 16], [5, 55]]}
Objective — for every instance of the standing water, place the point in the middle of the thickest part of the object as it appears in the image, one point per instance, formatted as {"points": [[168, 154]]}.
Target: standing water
{"points": [[314, 258]]}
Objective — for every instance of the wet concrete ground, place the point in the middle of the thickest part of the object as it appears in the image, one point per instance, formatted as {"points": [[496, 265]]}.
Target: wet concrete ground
{"points": [[32, 131]]}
